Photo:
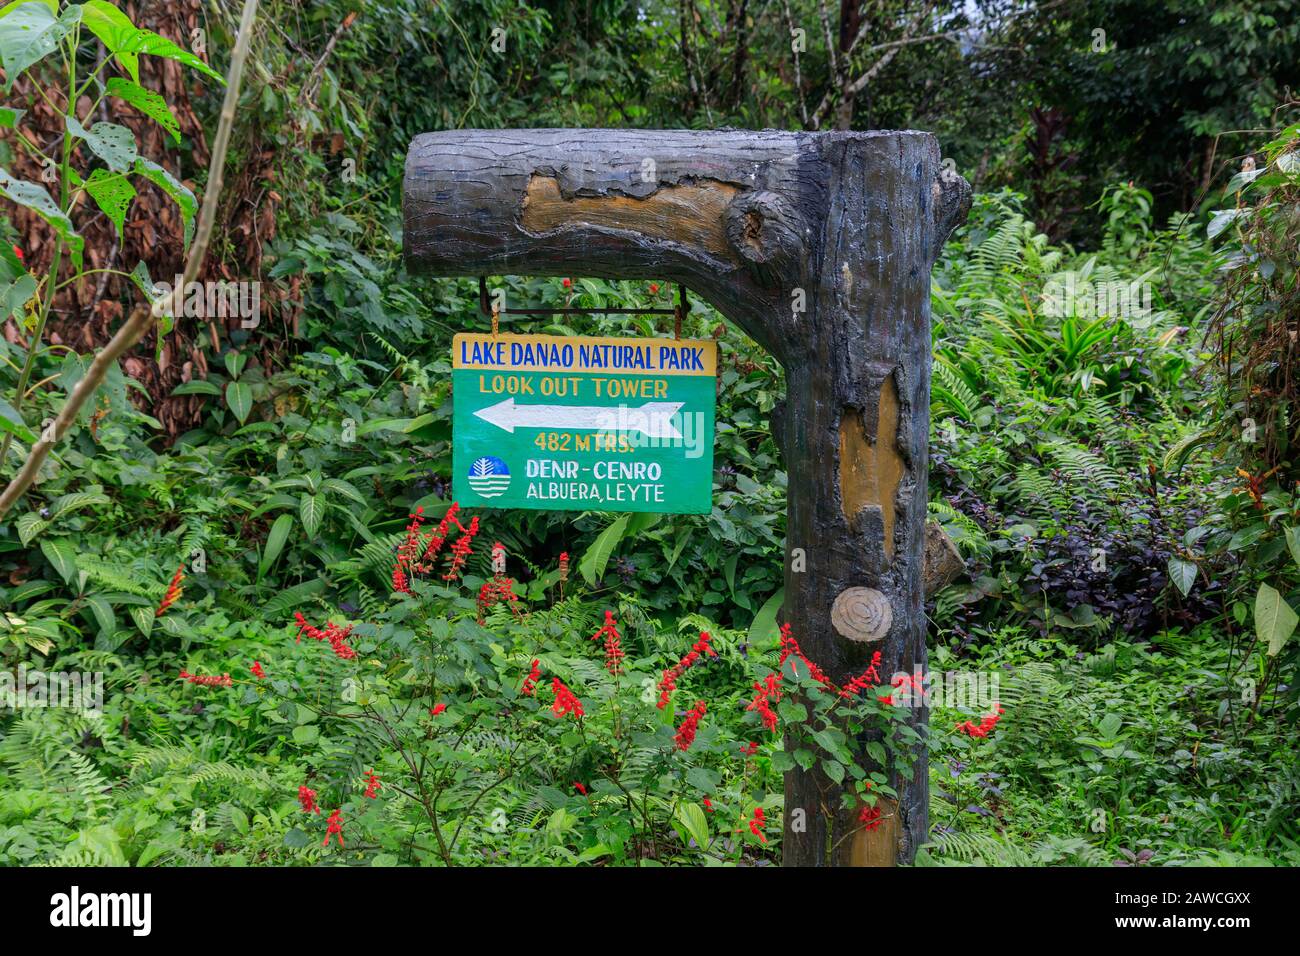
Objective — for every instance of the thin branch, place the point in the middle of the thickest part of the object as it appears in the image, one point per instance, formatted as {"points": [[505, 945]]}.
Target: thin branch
{"points": [[143, 318]]}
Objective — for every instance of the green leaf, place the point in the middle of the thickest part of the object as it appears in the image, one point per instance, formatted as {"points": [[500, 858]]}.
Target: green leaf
{"points": [[173, 188], [148, 102], [114, 28], [60, 553], [763, 632], [12, 422], [694, 822], [833, 769], [196, 387], [9, 116], [274, 543], [306, 734], [112, 193], [597, 556], [1293, 543], [112, 143], [29, 32], [29, 526], [240, 399], [143, 618], [311, 508], [346, 489], [146, 41], [1183, 574], [35, 198], [16, 295], [1275, 621]]}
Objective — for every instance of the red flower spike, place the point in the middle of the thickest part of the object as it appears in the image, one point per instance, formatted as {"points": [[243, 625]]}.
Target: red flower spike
{"points": [[257, 670], [174, 591], [307, 798], [437, 709], [335, 827], [685, 735], [372, 786], [565, 700], [209, 680], [668, 683], [529, 687]]}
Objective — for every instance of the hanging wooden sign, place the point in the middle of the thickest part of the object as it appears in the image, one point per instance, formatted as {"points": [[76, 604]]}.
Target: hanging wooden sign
{"points": [[583, 424]]}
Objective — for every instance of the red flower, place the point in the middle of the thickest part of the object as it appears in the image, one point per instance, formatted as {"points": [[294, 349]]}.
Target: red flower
{"points": [[668, 683], [257, 670], [708, 804], [335, 826], [529, 687], [986, 724], [750, 749], [307, 797], [565, 701], [685, 735], [437, 709], [613, 646], [372, 787], [564, 566], [567, 283], [19, 253], [407, 552], [206, 680], [460, 550], [756, 825], [580, 788], [336, 636], [768, 692], [868, 678], [174, 591], [654, 288], [870, 817], [790, 648]]}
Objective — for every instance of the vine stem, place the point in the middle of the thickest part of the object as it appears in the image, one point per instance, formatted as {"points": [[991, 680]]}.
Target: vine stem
{"points": [[143, 317]]}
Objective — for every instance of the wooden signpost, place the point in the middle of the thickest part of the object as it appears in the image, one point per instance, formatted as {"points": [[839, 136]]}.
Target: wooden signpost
{"points": [[819, 245]]}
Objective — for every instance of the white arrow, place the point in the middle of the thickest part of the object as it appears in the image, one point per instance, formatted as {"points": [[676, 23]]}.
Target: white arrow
{"points": [[654, 419]]}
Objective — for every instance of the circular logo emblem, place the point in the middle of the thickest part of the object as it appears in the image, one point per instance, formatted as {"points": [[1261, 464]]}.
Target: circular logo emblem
{"points": [[489, 476]]}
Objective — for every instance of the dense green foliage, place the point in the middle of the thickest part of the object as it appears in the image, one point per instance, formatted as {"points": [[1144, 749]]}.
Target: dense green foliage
{"points": [[1113, 451]]}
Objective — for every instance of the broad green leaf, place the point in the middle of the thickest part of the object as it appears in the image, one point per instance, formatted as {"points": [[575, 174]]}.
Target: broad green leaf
{"points": [[35, 198], [1275, 621], [694, 822], [597, 557], [114, 28], [274, 543], [1293, 543], [311, 508], [29, 526], [143, 618], [196, 387], [148, 102], [145, 41], [1183, 574], [174, 188], [340, 487], [235, 362], [112, 193], [29, 32], [240, 399], [9, 116], [763, 632], [103, 613], [60, 553], [16, 295], [9, 8], [112, 143]]}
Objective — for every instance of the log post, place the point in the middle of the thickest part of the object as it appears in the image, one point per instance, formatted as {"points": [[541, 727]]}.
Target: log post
{"points": [[819, 246]]}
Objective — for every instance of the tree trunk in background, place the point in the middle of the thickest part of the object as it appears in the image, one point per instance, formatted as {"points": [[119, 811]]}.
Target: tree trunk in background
{"points": [[845, 224]]}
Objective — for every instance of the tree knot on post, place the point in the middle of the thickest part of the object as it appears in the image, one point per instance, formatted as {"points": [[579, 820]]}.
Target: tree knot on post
{"points": [[862, 614], [767, 235]]}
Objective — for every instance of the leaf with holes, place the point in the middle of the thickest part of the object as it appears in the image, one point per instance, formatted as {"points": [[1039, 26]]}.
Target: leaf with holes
{"points": [[113, 144], [172, 187], [29, 32], [147, 102], [36, 199], [145, 41], [113, 193], [114, 28], [240, 399]]}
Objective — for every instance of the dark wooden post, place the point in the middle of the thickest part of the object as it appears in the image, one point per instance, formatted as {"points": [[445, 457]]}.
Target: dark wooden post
{"points": [[819, 245]]}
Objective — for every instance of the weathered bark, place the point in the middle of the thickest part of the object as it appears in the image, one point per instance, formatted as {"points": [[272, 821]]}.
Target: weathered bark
{"points": [[849, 223]]}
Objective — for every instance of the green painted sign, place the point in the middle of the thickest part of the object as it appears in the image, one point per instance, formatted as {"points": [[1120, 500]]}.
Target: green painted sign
{"points": [[583, 424]]}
